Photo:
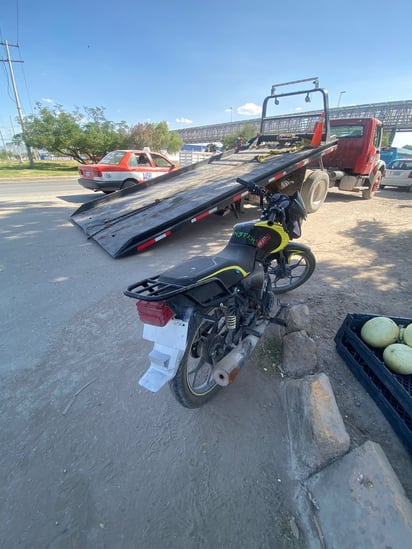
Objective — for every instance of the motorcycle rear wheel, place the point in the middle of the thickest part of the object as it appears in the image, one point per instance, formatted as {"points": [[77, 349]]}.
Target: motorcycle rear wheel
{"points": [[193, 384], [290, 268]]}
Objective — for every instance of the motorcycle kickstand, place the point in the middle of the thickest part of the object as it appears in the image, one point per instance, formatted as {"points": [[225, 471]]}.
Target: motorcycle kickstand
{"points": [[275, 319]]}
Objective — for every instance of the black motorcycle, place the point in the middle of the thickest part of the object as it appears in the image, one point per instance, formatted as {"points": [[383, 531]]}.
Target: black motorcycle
{"points": [[206, 314]]}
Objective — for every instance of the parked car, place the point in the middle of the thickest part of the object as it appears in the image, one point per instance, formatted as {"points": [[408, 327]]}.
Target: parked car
{"points": [[122, 169], [398, 174]]}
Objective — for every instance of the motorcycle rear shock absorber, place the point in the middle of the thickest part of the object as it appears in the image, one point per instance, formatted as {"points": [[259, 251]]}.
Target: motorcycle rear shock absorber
{"points": [[231, 316]]}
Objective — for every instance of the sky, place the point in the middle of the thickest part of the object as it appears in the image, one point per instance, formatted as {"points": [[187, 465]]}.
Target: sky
{"points": [[198, 63]]}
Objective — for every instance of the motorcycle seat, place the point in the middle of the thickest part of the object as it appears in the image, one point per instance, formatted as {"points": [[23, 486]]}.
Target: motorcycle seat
{"points": [[230, 265]]}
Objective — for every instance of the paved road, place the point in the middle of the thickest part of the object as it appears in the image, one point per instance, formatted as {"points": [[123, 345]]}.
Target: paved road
{"points": [[88, 458]]}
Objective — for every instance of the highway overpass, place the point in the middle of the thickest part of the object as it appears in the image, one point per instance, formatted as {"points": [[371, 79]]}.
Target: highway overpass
{"points": [[395, 115]]}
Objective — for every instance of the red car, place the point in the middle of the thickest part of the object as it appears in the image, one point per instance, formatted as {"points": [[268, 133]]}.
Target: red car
{"points": [[122, 169]]}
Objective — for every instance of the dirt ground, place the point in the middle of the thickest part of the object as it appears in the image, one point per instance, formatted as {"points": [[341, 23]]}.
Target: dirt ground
{"points": [[363, 252], [90, 459]]}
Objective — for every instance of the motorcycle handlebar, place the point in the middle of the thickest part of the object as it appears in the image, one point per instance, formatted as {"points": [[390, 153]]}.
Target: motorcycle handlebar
{"points": [[252, 187]]}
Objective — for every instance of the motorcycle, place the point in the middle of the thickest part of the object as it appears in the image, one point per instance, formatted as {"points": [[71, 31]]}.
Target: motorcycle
{"points": [[206, 315]]}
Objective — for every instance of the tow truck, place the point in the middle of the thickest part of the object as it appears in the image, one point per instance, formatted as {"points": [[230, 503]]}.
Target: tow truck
{"points": [[134, 219]]}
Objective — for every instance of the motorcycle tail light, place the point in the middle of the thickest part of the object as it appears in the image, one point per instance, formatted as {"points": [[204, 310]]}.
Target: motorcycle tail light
{"points": [[157, 313]]}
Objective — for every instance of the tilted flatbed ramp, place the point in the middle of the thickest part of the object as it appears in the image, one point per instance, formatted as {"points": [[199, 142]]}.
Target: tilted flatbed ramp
{"points": [[133, 219]]}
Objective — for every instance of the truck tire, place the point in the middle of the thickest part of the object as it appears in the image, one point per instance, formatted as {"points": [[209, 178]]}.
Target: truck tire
{"points": [[367, 194], [314, 190]]}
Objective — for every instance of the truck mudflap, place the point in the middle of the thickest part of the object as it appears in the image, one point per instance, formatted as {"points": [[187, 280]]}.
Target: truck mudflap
{"points": [[133, 219]]}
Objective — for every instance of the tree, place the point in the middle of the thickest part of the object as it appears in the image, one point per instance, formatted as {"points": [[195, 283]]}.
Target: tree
{"points": [[174, 143], [51, 130], [246, 133], [86, 135], [155, 136], [99, 135], [82, 136]]}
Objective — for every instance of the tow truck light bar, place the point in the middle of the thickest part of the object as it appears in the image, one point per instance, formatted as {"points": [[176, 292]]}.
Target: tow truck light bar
{"points": [[314, 80]]}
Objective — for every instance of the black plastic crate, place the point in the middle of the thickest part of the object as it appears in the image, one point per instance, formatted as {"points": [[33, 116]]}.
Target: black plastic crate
{"points": [[392, 392]]}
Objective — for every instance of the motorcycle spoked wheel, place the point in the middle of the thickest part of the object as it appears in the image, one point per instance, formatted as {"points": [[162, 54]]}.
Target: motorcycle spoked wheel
{"points": [[290, 269], [193, 384]]}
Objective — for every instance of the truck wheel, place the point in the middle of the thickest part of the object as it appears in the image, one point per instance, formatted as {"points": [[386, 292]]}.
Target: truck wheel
{"points": [[367, 194], [314, 190]]}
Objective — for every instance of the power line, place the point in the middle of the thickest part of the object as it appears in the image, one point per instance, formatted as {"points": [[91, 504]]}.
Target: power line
{"points": [[25, 80], [17, 21]]}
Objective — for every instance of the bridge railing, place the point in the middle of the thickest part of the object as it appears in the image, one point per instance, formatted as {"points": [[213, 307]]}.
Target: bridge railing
{"points": [[396, 115]]}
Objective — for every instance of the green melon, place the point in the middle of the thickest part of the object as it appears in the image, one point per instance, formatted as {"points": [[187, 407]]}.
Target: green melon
{"points": [[380, 331], [398, 357], [407, 335]]}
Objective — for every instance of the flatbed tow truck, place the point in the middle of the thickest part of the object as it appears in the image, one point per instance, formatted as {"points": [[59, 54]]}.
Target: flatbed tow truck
{"points": [[132, 220]]}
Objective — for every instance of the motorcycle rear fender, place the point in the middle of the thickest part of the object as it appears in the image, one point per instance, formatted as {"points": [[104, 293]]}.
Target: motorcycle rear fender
{"points": [[169, 346]]}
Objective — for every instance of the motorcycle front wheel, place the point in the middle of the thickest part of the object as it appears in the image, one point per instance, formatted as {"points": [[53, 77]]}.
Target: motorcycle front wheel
{"points": [[290, 268], [193, 384]]}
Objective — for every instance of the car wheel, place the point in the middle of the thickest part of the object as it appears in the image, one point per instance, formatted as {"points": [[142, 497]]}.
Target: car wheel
{"points": [[128, 183]]}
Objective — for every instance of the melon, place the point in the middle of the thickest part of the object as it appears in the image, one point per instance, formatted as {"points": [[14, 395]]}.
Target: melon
{"points": [[380, 331], [407, 335], [398, 357]]}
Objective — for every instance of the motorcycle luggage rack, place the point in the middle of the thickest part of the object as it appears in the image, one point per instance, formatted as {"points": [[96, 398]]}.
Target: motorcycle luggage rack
{"points": [[153, 289]]}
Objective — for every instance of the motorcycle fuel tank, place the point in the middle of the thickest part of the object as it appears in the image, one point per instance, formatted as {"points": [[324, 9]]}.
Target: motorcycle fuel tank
{"points": [[266, 238]]}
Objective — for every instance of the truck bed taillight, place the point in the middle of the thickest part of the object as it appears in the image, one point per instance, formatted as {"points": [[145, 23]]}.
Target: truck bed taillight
{"points": [[157, 313], [410, 175]]}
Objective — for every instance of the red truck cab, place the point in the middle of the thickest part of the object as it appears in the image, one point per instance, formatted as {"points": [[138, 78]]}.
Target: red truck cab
{"points": [[356, 165]]}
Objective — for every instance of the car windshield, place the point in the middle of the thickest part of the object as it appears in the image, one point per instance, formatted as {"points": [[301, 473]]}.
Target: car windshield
{"points": [[347, 131], [114, 157], [400, 164]]}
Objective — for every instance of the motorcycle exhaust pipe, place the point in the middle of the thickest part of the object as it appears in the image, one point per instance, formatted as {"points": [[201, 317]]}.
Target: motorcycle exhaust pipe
{"points": [[228, 368]]}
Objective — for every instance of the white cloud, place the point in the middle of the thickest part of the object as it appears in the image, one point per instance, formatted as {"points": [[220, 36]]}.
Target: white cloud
{"points": [[48, 100], [249, 109], [298, 109], [184, 120]]}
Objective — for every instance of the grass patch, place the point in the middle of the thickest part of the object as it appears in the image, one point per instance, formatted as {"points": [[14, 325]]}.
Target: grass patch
{"points": [[42, 168], [270, 356]]}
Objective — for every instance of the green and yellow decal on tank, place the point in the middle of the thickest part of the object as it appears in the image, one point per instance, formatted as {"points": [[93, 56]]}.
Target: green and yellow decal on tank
{"points": [[277, 228]]}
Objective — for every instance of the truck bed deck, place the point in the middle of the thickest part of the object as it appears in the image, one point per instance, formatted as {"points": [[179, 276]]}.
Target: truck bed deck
{"points": [[131, 220]]}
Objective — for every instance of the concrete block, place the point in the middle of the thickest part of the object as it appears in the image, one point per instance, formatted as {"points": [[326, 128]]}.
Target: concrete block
{"points": [[298, 318], [316, 429], [359, 502], [299, 356]]}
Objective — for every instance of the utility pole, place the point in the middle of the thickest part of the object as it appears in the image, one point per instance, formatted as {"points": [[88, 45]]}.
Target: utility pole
{"points": [[2, 140], [16, 95]]}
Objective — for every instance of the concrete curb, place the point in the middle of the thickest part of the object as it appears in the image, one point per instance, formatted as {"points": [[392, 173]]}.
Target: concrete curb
{"points": [[345, 499]]}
